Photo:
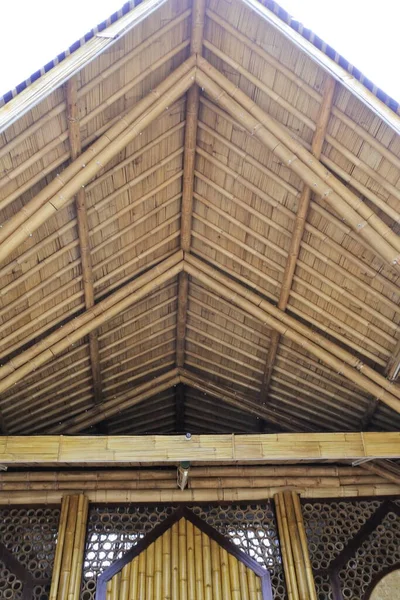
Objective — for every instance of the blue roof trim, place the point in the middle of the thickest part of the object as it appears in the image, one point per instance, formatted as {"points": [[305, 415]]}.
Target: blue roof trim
{"points": [[128, 6], [270, 4], [329, 51]]}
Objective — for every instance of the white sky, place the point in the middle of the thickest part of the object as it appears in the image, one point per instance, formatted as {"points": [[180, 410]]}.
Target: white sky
{"points": [[34, 31]]}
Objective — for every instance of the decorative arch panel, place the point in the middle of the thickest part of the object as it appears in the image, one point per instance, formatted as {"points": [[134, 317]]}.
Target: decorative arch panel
{"points": [[185, 559]]}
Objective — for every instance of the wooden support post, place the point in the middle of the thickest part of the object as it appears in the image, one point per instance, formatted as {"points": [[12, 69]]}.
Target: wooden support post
{"points": [[58, 341], [192, 110], [75, 142], [180, 408], [346, 204], [68, 562], [324, 349], [298, 231], [293, 541]]}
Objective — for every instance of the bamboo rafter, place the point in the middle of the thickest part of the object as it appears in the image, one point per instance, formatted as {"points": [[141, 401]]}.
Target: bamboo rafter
{"points": [[362, 219], [62, 189], [83, 232], [332, 355], [298, 231]]}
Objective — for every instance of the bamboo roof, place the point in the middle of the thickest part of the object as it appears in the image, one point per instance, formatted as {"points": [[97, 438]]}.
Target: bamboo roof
{"points": [[200, 208]]}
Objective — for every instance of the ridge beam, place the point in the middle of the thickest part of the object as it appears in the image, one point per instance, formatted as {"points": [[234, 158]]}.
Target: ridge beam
{"points": [[189, 157]]}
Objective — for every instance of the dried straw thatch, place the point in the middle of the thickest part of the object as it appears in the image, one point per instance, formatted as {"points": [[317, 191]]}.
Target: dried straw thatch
{"points": [[200, 214]]}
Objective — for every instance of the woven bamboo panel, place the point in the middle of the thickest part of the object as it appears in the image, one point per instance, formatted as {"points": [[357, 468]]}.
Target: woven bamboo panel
{"points": [[380, 551], [331, 525]]}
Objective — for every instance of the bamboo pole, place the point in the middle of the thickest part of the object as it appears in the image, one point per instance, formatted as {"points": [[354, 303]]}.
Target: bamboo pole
{"points": [[68, 549], [191, 564], [166, 564], [158, 571], [90, 162], [150, 563], [332, 355], [67, 572], [298, 232], [83, 232], [55, 579], [207, 567], [225, 574], [244, 588], [77, 328], [286, 548], [301, 580], [216, 571], [79, 548], [312, 595], [174, 561], [124, 589], [183, 563], [345, 203], [293, 542], [141, 582], [198, 565], [134, 579], [237, 494]]}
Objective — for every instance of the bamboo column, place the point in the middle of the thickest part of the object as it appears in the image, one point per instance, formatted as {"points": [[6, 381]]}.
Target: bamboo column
{"points": [[75, 143], [298, 231], [68, 562], [293, 542], [346, 204], [192, 110]]}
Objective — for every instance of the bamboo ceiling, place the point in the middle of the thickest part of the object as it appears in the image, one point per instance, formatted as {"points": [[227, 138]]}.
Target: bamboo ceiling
{"points": [[225, 255]]}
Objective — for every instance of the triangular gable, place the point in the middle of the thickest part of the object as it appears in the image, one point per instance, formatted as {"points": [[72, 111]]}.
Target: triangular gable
{"points": [[160, 530]]}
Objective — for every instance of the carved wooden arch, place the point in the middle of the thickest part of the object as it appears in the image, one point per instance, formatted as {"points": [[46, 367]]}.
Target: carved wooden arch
{"points": [[159, 530]]}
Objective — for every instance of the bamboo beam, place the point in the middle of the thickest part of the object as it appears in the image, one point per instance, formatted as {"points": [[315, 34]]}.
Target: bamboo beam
{"points": [[74, 330], [206, 449], [329, 353], [74, 134], [67, 572], [298, 231], [167, 496], [348, 206], [63, 188], [192, 110], [139, 475], [296, 561]]}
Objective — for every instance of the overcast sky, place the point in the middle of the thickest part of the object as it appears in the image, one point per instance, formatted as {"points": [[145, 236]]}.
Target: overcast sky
{"points": [[34, 32]]}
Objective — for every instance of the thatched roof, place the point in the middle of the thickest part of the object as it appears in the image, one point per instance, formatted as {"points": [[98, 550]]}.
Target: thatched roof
{"points": [[224, 256]]}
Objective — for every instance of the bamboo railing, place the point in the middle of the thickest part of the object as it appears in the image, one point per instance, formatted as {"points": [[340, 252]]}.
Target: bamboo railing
{"points": [[68, 562], [293, 543]]}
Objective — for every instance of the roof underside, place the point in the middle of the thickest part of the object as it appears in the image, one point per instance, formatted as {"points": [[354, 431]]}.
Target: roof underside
{"points": [[183, 355]]}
